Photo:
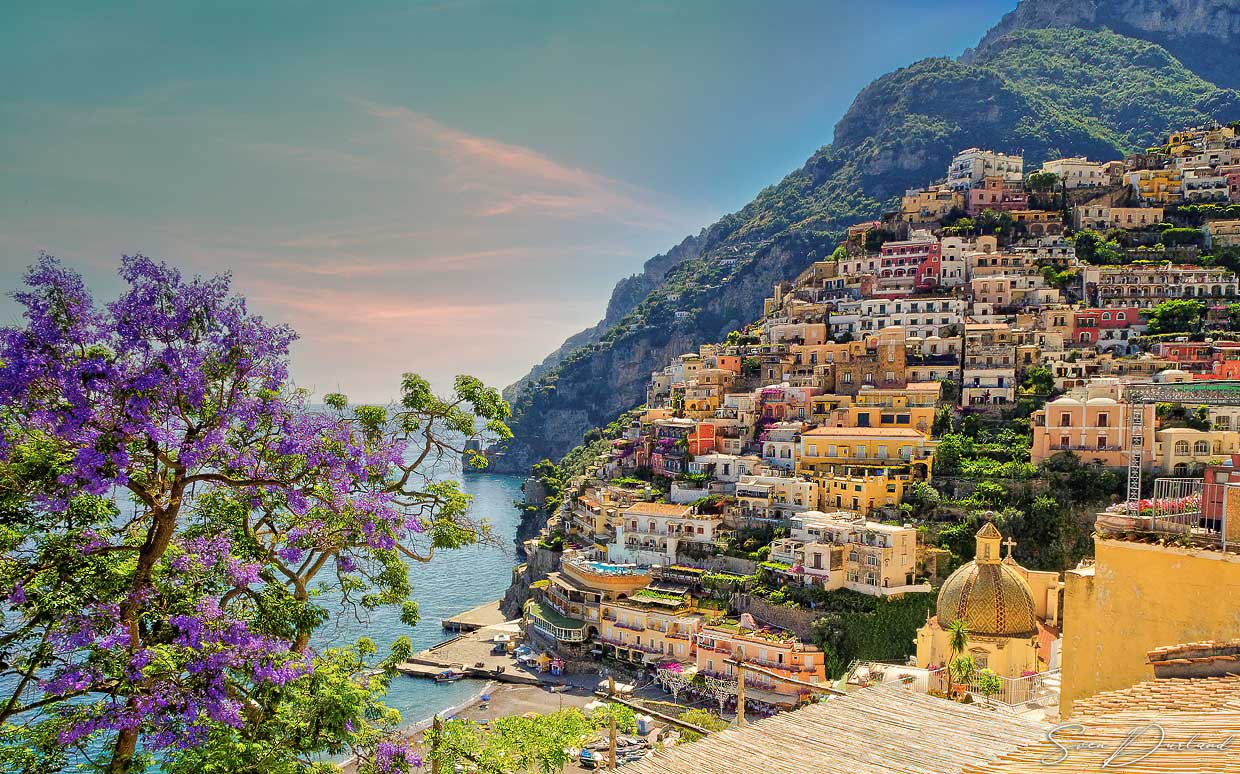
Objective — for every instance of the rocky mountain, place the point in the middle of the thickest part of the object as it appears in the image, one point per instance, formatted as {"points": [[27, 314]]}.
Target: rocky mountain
{"points": [[1033, 84], [1203, 34]]}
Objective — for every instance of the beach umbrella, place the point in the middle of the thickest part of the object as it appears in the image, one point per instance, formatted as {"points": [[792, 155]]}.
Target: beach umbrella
{"points": [[486, 697]]}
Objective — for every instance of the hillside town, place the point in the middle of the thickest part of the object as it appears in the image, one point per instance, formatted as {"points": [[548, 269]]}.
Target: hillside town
{"points": [[1015, 358]]}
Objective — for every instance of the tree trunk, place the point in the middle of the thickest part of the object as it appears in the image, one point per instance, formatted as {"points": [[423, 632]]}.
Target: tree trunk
{"points": [[123, 752], [163, 526]]}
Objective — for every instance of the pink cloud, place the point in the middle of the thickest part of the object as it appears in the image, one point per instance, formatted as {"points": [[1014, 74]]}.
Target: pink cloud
{"points": [[517, 179]]}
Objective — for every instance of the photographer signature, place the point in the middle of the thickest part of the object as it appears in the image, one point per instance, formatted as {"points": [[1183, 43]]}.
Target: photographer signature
{"points": [[1138, 744]]}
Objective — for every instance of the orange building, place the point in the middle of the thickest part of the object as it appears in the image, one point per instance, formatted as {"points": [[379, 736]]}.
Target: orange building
{"points": [[780, 652], [701, 439]]}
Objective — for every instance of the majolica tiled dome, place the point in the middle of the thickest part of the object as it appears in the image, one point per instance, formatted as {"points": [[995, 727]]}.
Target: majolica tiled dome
{"points": [[991, 597]]}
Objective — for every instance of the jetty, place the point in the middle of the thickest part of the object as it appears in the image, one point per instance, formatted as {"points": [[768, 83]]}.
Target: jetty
{"points": [[475, 619]]}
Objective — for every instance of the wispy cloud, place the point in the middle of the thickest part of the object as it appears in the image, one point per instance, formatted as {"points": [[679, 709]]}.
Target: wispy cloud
{"points": [[513, 179]]}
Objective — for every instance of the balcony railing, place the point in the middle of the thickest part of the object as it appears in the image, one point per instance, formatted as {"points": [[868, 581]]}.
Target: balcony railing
{"points": [[1084, 448]]}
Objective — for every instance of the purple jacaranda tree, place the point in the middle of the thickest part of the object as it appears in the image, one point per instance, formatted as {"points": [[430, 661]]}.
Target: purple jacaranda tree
{"points": [[171, 506]]}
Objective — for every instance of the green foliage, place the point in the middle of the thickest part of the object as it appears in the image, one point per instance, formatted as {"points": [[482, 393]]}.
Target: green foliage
{"points": [[702, 719], [962, 668], [1095, 249], [1042, 181], [552, 542], [519, 743], [1179, 237], [988, 683], [1177, 316], [1039, 381], [871, 628]]}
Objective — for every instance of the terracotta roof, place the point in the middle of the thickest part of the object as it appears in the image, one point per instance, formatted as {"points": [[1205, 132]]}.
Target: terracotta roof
{"points": [[989, 530], [1203, 710], [883, 729], [659, 509], [877, 432], [1166, 695], [1208, 651]]}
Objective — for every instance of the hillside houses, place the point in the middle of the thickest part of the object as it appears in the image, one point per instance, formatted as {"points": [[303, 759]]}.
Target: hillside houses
{"points": [[1028, 306]]}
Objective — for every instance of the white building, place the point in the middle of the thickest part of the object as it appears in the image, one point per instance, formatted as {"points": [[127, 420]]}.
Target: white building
{"points": [[1077, 172], [970, 167], [920, 316], [652, 533]]}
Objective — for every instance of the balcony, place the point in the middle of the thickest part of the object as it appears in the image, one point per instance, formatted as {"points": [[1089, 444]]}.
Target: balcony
{"points": [[1058, 447]]}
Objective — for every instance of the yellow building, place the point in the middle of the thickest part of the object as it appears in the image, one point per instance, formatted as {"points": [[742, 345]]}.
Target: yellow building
{"points": [[565, 608], [650, 626], [910, 406], [1011, 613], [1137, 596], [1179, 451], [862, 490], [1158, 186], [929, 206], [832, 449], [721, 643]]}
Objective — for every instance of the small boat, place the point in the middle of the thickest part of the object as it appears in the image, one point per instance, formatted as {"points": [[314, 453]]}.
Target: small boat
{"points": [[449, 676]]}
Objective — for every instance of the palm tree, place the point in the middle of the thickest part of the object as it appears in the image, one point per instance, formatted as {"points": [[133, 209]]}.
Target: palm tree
{"points": [[957, 642]]}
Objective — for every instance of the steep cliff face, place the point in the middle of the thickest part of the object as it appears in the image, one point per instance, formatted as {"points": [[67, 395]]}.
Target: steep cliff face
{"points": [[1046, 92], [1203, 34], [627, 294]]}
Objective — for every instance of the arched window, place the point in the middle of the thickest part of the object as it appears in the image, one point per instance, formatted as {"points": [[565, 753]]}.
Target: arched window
{"points": [[1181, 447], [1201, 447]]}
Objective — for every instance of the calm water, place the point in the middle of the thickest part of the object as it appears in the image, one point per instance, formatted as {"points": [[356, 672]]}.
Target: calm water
{"points": [[452, 582]]}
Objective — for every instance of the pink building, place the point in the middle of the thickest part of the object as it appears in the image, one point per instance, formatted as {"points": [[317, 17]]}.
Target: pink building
{"points": [[995, 194]]}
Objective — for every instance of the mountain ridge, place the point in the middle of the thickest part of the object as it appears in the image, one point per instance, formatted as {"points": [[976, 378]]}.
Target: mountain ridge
{"points": [[1045, 90]]}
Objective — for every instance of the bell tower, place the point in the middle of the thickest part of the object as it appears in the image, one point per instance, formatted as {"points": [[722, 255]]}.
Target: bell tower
{"points": [[988, 540]]}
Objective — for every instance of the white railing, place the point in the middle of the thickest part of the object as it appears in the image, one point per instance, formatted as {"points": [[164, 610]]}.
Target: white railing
{"points": [[1014, 693]]}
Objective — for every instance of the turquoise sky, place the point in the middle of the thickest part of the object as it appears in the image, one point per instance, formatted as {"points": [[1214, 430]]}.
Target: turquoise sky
{"points": [[443, 186]]}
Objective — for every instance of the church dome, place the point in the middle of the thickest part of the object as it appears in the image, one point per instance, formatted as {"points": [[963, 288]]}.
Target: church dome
{"points": [[989, 596]]}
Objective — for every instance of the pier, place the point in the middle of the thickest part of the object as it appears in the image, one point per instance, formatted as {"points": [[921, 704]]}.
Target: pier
{"points": [[475, 619]]}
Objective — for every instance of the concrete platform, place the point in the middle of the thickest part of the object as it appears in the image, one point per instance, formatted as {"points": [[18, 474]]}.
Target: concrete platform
{"points": [[477, 618]]}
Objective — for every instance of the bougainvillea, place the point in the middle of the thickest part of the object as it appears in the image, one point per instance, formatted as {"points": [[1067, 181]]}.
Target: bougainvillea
{"points": [[169, 504]]}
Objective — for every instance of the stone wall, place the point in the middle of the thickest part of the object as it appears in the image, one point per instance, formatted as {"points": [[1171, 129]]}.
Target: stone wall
{"points": [[732, 564], [539, 561], [797, 620]]}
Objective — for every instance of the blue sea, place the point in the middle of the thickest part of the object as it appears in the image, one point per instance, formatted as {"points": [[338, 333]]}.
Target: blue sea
{"points": [[452, 582]]}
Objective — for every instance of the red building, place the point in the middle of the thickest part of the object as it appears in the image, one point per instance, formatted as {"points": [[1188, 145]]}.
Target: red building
{"points": [[1214, 492], [1094, 327], [920, 259], [1189, 355], [1233, 186]]}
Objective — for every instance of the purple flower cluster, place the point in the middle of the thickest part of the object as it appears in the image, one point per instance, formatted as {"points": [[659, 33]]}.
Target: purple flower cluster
{"points": [[392, 757], [171, 392]]}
